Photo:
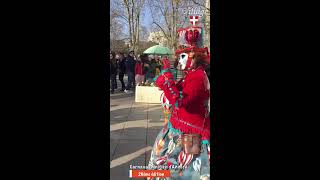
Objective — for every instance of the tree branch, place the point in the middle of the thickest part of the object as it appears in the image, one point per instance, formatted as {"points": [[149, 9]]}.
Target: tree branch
{"points": [[121, 16], [200, 5], [161, 29], [164, 14]]}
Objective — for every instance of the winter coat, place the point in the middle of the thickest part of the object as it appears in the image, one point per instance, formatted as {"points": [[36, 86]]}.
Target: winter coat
{"points": [[139, 68], [113, 66], [122, 66], [130, 64]]}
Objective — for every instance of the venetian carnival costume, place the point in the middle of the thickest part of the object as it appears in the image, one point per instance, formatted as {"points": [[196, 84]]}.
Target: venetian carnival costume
{"points": [[183, 145]]}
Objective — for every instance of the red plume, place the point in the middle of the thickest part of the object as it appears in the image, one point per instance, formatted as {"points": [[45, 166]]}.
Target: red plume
{"points": [[196, 36]]}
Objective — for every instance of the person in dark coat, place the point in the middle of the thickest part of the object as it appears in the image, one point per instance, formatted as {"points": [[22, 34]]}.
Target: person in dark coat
{"points": [[152, 69], [122, 70], [144, 60], [113, 71], [130, 67], [147, 63]]}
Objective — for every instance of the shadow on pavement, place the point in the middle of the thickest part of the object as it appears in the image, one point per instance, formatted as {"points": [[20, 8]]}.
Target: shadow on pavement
{"points": [[119, 115], [129, 150]]}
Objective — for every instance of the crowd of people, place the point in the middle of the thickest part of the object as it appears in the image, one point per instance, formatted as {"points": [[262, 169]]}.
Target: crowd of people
{"points": [[140, 69]]}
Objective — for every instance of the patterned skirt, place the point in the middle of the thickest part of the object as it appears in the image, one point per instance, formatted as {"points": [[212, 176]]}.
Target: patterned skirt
{"points": [[167, 153]]}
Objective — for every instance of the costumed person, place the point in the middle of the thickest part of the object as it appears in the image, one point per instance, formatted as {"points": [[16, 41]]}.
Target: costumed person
{"points": [[183, 144]]}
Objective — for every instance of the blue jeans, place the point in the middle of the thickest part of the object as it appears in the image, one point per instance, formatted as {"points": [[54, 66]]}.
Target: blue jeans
{"points": [[130, 80], [121, 75], [113, 82]]}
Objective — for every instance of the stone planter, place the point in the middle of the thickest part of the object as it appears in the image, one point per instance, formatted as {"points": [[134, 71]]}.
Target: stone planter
{"points": [[148, 94]]}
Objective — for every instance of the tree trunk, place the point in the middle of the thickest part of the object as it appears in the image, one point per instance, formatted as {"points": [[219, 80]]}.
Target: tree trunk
{"points": [[138, 31], [207, 24], [133, 26], [175, 19], [173, 26], [127, 2]]}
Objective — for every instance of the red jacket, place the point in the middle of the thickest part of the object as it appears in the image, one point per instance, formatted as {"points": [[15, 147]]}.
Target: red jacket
{"points": [[139, 68], [189, 98]]}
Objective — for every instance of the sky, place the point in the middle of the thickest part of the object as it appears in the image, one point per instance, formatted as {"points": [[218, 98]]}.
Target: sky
{"points": [[147, 19]]}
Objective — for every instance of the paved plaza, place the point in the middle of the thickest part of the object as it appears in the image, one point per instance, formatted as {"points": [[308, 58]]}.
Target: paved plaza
{"points": [[134, 127]]}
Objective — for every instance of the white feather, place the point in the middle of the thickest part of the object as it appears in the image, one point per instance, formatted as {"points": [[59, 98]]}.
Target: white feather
{"points": [[197, 165], [171, 146]]}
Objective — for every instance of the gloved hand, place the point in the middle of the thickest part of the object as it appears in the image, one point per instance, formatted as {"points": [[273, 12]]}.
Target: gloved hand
{"points": [[166, 83]]}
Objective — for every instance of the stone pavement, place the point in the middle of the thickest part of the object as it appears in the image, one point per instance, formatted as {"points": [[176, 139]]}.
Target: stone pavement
{"points": [[133, 129]]}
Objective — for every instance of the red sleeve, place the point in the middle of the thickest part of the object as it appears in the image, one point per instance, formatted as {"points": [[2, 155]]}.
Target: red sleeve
{"points": [[166, 83]]}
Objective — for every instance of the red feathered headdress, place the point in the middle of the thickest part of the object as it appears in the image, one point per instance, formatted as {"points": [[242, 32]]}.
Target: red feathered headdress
{"points": [[190, 44]]}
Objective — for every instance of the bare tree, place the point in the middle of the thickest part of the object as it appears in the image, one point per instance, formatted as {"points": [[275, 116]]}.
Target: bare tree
{"points": [[127, 4], [129, 12], [168, 15], [116, 32], [138, 6], [207, 24], [165, 14], [144, 33], [118, 45], [202, 3]]}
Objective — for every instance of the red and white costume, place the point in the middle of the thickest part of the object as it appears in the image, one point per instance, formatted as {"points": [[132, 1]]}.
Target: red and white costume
{"points": [[189, 98]]}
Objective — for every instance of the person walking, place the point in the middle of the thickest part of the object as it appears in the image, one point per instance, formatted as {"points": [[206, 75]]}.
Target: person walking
{"points": [[122, 70], [113, 71], [117, 66], [145, 61], [130, 67], [139, 72], [134, 72]]}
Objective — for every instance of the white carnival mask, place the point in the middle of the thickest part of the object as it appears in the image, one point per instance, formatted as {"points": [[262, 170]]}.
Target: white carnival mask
{"points": [[183, 60]]}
